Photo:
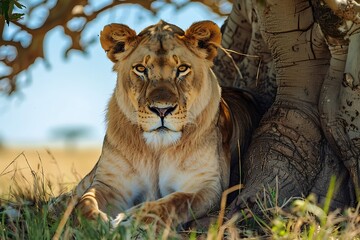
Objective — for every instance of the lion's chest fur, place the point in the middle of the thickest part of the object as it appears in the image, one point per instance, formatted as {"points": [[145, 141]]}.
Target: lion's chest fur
{"points": [[147, 175]]}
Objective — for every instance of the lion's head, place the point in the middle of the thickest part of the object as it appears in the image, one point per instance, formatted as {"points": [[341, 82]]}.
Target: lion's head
{"points": [[164, 77]]}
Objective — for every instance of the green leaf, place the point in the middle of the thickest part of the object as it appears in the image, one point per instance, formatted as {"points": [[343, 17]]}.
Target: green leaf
{"points": [[4, 10], [4, 7], [16, 16], [11, 6], [19, 5]]}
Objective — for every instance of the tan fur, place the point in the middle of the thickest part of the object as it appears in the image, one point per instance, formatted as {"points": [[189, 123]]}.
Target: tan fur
{"points": [[177, 172]]}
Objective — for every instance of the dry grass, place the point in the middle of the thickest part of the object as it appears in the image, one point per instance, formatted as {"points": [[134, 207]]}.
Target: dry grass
{"points": [[57, 165]]}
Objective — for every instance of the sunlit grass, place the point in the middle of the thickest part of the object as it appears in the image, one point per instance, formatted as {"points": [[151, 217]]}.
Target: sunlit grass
{"points": [[33, 197]]}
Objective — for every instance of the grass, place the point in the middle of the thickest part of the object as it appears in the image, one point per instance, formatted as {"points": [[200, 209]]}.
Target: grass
{"points": [[40, 213]]}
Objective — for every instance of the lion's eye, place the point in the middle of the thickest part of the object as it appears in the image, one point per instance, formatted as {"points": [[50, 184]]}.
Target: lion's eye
{"points": [[139, 69], [183, 68]]}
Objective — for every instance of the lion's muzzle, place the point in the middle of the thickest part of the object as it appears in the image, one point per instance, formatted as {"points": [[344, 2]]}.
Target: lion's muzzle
{"points": [[162, 123], [162, 112]]}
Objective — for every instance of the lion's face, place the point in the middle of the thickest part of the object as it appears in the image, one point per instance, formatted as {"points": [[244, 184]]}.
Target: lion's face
{"points": [[164, 76]]}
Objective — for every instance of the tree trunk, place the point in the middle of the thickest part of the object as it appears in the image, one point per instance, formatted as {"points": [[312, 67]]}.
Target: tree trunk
{"points": [[241, 34], [339, 103], [289, 152]]}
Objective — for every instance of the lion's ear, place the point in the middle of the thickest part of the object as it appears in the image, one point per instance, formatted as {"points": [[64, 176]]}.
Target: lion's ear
{"points": [[116, 38], [205, 35]]}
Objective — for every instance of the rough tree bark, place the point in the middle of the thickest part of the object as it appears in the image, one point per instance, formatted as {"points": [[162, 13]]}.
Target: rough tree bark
{"points": [[254, 66], [339, 103], [311, 129]]}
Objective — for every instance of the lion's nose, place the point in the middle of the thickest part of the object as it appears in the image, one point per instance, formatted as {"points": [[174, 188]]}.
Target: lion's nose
{"points": [[162, 112]]}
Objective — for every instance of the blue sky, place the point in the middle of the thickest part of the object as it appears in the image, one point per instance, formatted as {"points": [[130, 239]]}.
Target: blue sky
{"points": [[74, 92]]}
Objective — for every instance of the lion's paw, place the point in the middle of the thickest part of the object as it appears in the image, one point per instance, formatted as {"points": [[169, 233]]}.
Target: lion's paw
{"points": [[121, 220]]}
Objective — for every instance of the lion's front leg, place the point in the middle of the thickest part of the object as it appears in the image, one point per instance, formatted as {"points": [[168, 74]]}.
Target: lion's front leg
{"points": [[88, 206], [174, 209], [102, 202]]}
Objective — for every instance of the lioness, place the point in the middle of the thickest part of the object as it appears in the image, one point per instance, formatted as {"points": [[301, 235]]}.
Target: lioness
{"points": [[169, 132]]}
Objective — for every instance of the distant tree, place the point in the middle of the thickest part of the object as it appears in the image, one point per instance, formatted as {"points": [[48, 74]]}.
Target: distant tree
{"points": [[2, 143], [70, 135]]}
